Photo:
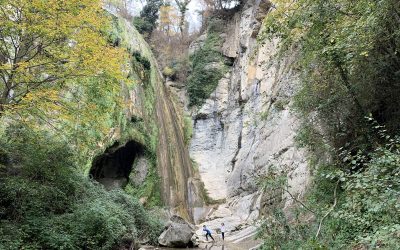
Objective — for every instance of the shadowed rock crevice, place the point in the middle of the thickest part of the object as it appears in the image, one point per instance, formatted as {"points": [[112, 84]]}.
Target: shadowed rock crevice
{"points": [[112, 168]]}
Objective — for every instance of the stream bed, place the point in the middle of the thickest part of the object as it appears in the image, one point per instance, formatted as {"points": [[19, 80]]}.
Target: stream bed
{"points": [[201, 247], [214, 246]]}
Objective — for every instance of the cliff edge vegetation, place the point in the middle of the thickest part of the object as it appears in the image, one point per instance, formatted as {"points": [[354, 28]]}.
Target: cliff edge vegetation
{"points": [[348, 60]]}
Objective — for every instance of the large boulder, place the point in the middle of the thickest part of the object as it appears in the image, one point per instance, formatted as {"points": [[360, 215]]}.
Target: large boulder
{"points": [[177, 233]]}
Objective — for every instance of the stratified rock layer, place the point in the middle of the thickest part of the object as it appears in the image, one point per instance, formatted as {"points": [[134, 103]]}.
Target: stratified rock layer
{"points": [[247, 127]]}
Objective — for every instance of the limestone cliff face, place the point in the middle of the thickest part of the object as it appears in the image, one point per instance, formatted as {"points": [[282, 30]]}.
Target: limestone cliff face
{"points": [[246, 126], [155, 126]]}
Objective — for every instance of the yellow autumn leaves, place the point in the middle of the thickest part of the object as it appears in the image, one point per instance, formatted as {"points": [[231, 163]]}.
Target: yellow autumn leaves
{"points": [[45, 42], [58, 69]]}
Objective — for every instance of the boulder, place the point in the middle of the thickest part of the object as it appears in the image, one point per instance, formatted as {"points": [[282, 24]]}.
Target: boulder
{"points": [[195, 240], [197, 44], [177, 233]]}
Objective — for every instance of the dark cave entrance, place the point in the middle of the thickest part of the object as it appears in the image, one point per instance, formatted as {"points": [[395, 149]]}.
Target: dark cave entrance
{"points": [[112, 168]]}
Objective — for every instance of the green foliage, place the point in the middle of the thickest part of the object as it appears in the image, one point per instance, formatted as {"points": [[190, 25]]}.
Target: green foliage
{"points": [[147, 21], [169, 72], [187, 129], [149, 190], [141, 60], [44, 204], [264, 115], [113, 34], [208, 67], [143, 26], [279, 233], [276, 230], [349, 64], [141, 66], [82, 109], [38, 57], [371, 204], [368, 210], [144, 130], [366, 213]]}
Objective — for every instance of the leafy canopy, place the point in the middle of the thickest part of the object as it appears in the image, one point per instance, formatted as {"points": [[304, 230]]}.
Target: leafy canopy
{"points": [[46, 204], [349, 61], [147, 21], [43, 43], [348, 58]]}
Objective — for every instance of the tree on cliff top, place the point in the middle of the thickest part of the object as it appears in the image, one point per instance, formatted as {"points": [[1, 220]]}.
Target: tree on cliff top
{"points": [[182, 7], [147, 21], [43, 43]]}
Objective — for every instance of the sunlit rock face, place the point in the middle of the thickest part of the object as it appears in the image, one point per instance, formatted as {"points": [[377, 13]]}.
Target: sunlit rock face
{"points": [[247, 126]]}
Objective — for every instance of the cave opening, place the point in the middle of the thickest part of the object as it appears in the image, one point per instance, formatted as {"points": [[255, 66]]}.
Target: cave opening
{"points": [[113, 167]]}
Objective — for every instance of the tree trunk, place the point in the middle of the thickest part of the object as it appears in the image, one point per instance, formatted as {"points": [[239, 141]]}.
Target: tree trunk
{"points": [[350, 89], [182, 22], [1, 108], [4, 99]]}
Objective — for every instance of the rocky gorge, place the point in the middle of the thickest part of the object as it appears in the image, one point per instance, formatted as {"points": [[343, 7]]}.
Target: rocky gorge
{"points": [[243, 131], [246, 128], [274, 124]]}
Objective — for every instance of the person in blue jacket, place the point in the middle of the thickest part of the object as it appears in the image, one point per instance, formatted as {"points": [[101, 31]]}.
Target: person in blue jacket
{"points": [[208, 232]]}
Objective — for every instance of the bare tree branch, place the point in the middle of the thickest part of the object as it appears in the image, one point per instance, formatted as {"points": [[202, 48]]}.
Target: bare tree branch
{"points": [[298, 201], [329, 211]]}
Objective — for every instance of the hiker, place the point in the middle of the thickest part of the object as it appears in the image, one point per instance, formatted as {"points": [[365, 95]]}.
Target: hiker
{"points": [[223, 231], [208, 232]]}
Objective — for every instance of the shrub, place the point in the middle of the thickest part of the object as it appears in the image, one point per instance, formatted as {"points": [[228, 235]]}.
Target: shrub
{"points": [[187, 129], [349, 68], [355, 209], [208, 67], [169, 72], [46, 204], [143, 26]]}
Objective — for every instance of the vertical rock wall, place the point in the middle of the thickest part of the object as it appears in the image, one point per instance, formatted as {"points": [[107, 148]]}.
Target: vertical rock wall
{"points": [[247, 126]]}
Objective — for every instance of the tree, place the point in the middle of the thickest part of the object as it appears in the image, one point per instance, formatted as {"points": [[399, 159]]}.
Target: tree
{"points": [[170, 44], [347, 56], [147, 21], [45, 43], [182, 7], [349, 62], [222, 4], [168, 19]]}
